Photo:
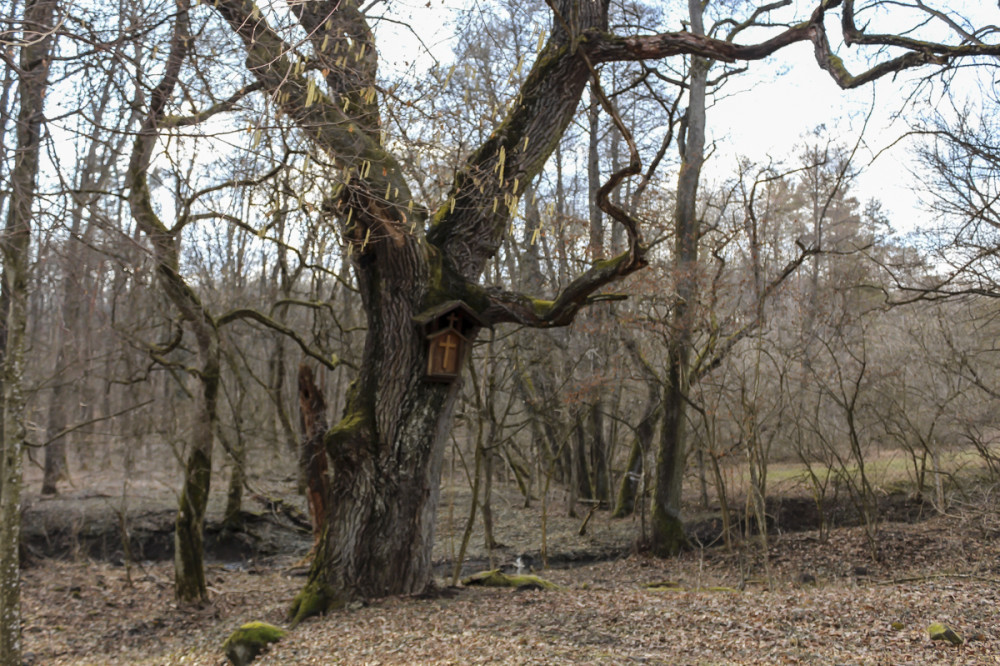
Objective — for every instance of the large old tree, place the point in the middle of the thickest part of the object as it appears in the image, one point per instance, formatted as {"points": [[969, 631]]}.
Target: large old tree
{"points": [[386, 452]]}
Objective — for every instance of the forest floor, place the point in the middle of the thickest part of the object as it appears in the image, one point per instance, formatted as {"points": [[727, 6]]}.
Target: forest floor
{"points": [[821, 599]]}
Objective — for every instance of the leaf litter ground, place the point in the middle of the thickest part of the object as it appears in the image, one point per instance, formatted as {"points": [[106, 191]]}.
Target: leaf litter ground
{"points": [[712, 607]]}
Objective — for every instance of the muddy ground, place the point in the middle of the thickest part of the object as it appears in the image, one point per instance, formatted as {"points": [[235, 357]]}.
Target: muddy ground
{"points": [[92, 518]]}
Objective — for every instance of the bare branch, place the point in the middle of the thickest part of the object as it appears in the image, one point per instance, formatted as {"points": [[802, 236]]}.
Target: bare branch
{"points": [[261, 318]]}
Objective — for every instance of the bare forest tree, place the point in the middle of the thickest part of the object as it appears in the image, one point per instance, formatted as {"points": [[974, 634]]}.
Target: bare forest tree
{"points": [[344, 208], [34, 45]]}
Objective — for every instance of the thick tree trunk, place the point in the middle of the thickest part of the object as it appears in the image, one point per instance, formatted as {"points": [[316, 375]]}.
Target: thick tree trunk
{"points": [[15, 249], [386, 452], [386, 456]]}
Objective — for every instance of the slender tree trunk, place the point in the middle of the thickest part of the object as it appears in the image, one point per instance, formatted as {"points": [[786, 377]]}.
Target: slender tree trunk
{"points": [[39, 20], [489, 455], [6, 107], [237, 448], [56, 468], [189, 558], [599, 455], [6, 113], [641, 444], [65, 393], [470, 521], [667, 527], [598, 317], [189, 527], [582, 486], [282, 419], [237, 480], [629, 486]]}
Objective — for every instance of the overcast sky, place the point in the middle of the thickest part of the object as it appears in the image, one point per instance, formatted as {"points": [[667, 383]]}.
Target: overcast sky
{"points": [[767, 112]]}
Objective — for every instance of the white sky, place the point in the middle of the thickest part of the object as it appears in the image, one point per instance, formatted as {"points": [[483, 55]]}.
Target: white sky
{"points": [[769, 112]]}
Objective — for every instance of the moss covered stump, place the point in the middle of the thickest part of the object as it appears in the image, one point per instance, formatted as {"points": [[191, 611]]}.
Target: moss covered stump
{"points": [[246, 643]]}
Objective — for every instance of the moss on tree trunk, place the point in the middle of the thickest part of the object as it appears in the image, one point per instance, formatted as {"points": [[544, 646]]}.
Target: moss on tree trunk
{"points": [[316, 598]]}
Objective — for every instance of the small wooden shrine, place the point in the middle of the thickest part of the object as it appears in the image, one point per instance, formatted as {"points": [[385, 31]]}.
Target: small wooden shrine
{"points": [[449, 329]]}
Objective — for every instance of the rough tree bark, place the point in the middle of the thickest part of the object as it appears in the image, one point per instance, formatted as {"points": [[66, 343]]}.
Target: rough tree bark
{"points": [[386, 452], [35, 56]]}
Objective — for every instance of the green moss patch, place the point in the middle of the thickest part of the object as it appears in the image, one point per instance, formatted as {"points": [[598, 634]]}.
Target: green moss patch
{"points": [[497, 578], [314, 599], [246, 643], [941, 632]]}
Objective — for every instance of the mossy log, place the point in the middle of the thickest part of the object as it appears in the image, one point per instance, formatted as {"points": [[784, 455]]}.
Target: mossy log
{"points": [[246, 643], [497, 578], [941, 632]]}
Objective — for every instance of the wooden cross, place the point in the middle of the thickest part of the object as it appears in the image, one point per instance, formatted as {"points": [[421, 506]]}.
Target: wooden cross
{"points": [[454, 320], [447, 344]]}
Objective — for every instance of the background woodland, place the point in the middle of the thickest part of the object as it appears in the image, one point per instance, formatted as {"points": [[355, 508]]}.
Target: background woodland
{"points": [[791, 330]]}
